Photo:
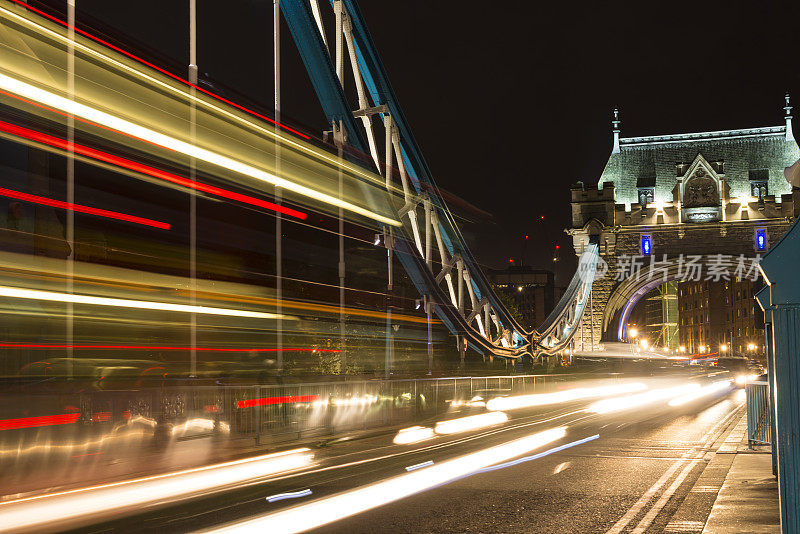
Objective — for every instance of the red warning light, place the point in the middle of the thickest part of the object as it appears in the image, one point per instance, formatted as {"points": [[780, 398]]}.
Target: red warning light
{"points": [[557, 247], [510, 260]]}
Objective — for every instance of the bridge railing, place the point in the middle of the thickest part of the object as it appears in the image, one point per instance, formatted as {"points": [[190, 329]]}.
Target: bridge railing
{"points": [[270, 414], [759, 429]]}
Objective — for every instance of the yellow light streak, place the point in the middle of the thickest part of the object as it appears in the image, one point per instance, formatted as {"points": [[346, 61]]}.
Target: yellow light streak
{"points": [[105, 119], [52, 296], [286, 139]]}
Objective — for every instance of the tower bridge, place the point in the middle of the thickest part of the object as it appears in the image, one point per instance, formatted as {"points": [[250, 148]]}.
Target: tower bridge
{"points": [[669, 197]]}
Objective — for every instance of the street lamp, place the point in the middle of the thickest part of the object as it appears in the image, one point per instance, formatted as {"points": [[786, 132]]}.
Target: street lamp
{"points": [[701, 348], [723, 348], [645, 344], [682, 348], [751, 346]]}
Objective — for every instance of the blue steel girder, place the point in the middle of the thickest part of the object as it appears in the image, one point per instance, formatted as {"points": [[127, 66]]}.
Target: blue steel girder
{"points": [[319, 65], [380, 92], [320, 70]]}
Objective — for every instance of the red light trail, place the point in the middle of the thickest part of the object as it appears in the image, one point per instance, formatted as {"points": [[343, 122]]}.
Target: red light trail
{"points": [[82, 209], [42, 420], [105, 157], [159, 69], [151, 347], [266, 401]]}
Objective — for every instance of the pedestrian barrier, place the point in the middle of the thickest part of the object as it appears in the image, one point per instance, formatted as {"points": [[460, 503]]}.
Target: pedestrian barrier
{"points": [[759, 429]]}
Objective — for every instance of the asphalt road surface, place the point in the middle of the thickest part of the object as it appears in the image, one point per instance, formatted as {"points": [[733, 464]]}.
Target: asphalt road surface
{"points": [[627, 471]]}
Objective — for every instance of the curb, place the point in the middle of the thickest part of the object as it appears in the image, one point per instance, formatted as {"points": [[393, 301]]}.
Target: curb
{"points": [[692, 514]]}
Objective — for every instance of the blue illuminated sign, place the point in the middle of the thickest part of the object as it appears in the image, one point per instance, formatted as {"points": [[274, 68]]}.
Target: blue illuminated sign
{"points": [[646, 245], [761, 239]]}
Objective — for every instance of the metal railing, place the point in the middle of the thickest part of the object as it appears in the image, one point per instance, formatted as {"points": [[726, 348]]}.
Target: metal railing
{"points": [[269, 414], [759, 429]]}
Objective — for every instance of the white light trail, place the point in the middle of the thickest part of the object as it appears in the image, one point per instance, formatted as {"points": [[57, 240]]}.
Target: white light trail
{"points": [[70, 508], [541, 399], [34, 294], [629, 402], [702, 392], [473, 422], [321, 512], [744, 379], [105, 119], [413, 434]]}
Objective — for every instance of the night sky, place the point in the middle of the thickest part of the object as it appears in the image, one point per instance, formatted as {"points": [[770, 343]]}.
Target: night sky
{"points": [[511, 102]]}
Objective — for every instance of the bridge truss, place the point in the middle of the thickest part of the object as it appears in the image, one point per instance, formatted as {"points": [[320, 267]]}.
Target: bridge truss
{"points": [[429, 245]]}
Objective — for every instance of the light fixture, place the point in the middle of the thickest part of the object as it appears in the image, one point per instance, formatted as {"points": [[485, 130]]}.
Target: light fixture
{"points": [[723, 348]]}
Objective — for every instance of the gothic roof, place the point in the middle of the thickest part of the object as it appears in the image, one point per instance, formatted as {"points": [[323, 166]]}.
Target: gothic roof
{"points": [[741, 155]]}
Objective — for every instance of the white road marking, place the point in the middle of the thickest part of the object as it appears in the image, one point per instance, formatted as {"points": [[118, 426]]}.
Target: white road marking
{"points": [[691, 457]]}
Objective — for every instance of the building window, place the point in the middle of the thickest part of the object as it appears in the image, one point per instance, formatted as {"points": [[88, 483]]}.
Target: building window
{"points": [[646, 195]]}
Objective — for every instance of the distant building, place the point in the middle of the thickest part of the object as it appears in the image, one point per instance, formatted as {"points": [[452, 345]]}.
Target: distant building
{"points": [[717, 313], [532, 290]]}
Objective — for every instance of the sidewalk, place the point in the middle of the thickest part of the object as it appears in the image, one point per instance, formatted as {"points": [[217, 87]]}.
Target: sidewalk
{"points": [[748, 499]]}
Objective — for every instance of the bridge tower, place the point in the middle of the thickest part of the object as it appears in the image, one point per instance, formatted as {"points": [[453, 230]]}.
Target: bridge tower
{"points": [[665, 197]]}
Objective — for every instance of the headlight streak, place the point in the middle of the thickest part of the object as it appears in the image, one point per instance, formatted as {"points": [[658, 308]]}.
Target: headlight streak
{"points": [[289, 495], [413, 434], [639, 400], [127, 127], [321, 512], [33, 294], [705, 391], [744, 379], [472, 422], [541, 399], [69, 508]]}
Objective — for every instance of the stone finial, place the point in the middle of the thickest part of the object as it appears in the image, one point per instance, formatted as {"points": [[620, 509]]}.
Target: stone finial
{"points": [[788, 109], [615, 123]]}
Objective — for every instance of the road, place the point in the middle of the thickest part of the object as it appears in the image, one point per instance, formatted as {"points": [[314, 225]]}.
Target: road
{"points": [[626, 471]]}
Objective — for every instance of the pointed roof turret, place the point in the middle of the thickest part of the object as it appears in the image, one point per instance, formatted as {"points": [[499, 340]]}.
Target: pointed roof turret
{"points": [[615, 124]]}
